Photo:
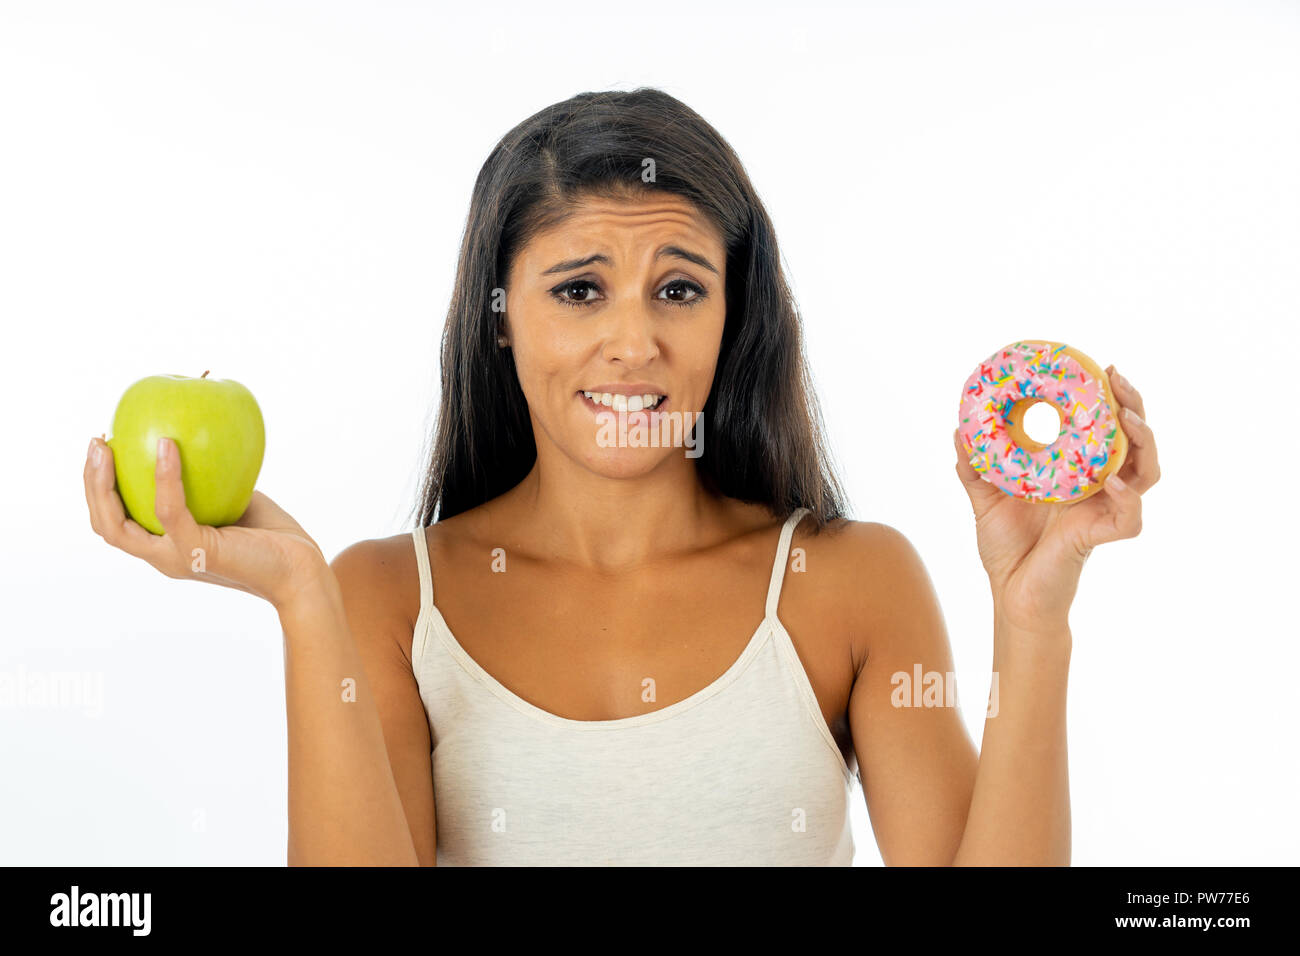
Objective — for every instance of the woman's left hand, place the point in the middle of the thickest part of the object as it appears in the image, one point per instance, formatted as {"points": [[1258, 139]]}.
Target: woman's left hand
{"points": [[1034, 551]]}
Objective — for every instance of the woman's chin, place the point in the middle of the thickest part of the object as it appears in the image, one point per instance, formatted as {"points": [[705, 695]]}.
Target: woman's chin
{"points": [[626, 462]]}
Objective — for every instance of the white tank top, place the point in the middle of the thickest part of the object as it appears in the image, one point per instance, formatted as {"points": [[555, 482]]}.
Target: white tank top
{"points": [[742, 773]]}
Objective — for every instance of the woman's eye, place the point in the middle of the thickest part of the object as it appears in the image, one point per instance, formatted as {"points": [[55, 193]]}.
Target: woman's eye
{"points": [[683, 286], [583, 285], [576, 293]]}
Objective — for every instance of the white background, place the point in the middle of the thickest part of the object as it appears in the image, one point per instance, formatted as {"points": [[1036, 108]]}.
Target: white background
{"points": [[275, 192]]}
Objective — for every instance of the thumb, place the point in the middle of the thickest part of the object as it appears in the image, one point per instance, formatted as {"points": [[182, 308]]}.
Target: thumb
{"points": [[982, 493], [169, 495]]}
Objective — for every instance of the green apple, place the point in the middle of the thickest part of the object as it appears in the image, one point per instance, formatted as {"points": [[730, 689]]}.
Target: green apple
{"points": [[217, 427]]}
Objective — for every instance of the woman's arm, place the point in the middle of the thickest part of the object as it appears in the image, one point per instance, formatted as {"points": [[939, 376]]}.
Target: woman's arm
{"points": [[1014, 806], [933, 801], [1020, 810], [349, 687], [917, 762], [1034, 554], [374, 572], [345, 807]]}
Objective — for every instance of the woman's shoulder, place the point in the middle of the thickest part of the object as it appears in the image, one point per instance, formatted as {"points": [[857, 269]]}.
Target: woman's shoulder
{"points": [[390, 564], [846, 539], [857, 570], [383, 572]]}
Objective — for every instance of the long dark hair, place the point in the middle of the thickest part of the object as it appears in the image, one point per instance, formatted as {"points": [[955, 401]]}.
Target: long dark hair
{"points": [[764, 430]]}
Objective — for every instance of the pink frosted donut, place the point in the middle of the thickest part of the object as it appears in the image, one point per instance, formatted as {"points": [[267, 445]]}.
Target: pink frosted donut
{"points": [[1091, 444]]}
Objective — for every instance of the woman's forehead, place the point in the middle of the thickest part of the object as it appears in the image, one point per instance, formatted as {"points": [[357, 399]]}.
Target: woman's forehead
{"points": [[625, 225]]}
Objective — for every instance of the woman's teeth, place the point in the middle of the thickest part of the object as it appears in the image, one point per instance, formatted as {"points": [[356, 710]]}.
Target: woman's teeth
{"points": [[625, 403]]}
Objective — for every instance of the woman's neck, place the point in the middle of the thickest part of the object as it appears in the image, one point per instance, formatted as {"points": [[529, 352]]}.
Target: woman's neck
{"points": [[611, 524]]}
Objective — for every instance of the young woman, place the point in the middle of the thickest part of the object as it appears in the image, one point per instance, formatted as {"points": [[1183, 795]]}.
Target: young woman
{"points": [[595, 649]]}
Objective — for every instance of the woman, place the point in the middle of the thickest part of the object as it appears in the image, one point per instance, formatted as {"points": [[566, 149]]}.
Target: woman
{"points": [[618, 667]]}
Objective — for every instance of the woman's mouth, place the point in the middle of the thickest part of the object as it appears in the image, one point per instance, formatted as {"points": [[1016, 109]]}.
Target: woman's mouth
{"points": [[648, 409], [608, 401]]}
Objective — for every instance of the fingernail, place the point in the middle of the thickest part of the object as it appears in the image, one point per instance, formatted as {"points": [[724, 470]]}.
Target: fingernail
{"points": [[162, 449], [1123, 382], [1116, 482], [1134, 416], [95, 452]]}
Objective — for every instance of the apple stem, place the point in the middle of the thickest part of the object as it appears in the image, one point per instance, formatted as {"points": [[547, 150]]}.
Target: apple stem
{"points": [[205, 374]]}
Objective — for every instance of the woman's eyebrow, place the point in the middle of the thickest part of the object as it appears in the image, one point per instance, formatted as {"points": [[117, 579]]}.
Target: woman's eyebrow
{"points": [[673, 252]]}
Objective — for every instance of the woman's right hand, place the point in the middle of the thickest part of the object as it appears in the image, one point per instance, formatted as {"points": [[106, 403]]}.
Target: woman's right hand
{"points": [[265, 552]]}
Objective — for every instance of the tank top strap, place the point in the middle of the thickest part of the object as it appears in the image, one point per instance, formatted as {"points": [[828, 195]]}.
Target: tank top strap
{"points": [[782, 558], [422, 562]]}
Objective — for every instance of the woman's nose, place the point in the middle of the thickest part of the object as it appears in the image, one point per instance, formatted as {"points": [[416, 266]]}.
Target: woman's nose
{"points": [[630, 335]]}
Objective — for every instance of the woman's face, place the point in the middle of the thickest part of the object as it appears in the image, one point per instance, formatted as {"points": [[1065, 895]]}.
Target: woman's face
{"points": [[623, 300]]}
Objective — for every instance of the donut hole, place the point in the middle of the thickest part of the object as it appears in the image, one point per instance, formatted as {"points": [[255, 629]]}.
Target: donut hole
{"points": [[1042, 423], [1034, 423]]}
